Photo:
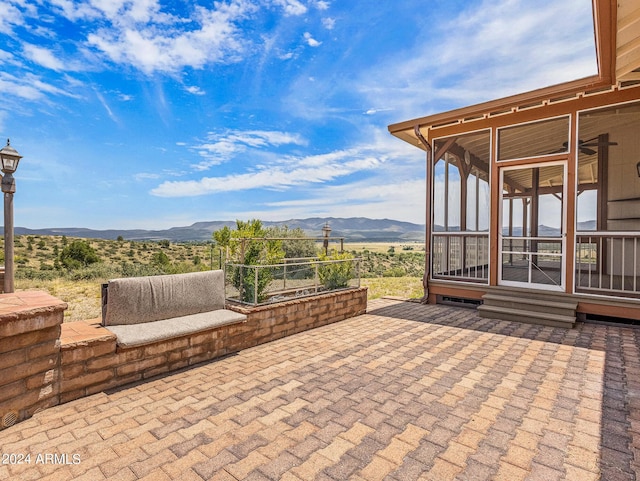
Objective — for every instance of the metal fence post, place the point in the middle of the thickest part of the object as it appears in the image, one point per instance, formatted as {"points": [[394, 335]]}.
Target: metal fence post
{"points": [[255, 287]]}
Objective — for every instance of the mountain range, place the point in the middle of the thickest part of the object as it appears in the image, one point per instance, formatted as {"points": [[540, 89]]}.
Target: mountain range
{"points": [[352, 229]]}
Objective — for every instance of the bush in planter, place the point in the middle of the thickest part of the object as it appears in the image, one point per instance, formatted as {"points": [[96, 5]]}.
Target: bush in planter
{"points": [[336, 275], [249, 245]]}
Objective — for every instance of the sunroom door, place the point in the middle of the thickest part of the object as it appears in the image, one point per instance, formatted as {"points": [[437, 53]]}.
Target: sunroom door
{"points": [[532, 237]]}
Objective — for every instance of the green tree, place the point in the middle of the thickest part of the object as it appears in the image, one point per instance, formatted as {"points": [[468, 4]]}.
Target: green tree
{"points": [[78, 254], [222, 237], [249, 245], [298, 246]]}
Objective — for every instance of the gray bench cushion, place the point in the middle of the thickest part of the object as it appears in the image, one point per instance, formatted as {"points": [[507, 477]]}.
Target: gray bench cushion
{"points": [[138, 334], [138, 300]]}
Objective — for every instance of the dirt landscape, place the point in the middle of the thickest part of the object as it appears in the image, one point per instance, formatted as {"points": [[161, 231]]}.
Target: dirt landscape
{"points": [[387, 269]]}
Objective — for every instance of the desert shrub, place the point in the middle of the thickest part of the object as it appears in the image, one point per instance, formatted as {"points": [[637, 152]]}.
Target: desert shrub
{"points": [[337, 274], [78, 254], [95, 271], [33, 274], [394, 272], [128, 269], [160, 259]]}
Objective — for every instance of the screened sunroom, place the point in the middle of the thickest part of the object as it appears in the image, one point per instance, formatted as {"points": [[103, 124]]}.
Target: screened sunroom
{"points": [[540, 192]]}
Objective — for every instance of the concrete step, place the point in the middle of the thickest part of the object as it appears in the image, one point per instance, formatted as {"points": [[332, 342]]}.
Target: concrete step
{"points": [[527, 316]]}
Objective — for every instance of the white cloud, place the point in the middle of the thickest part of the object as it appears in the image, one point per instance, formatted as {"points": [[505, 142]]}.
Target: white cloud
{"points": [[286, 171], [492, 50], [195, 90], [375, 198], [76, 10], [118, 11], [375, 111], [292, 7], [10, 16], [146, 176], [329, 23], [151, 41], [43, 57], [276, 177], [220, 147], [29, 87], [312, 42], [106, 106], [144, 35]]}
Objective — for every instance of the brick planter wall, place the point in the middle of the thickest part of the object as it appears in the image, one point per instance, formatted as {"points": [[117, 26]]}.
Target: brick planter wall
{"points": [[269, 322], [29, 354], [97, 364]]}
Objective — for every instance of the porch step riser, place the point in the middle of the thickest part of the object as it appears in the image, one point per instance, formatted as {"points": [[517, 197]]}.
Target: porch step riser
{"points": [[535, 305], [520, 293], [529, 317], [548, 309]]}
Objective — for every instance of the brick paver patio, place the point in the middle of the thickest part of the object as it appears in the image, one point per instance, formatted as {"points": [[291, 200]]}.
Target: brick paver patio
{"points": [[404, 392]]}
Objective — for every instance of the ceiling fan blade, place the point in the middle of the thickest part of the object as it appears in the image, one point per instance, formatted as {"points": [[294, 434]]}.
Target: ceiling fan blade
{"points": [[594, 143], [587, 151]]}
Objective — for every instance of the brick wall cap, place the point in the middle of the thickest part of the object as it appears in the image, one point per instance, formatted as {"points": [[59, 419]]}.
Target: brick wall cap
{"points": [[244, 309], [83, 333], [27, 304]]}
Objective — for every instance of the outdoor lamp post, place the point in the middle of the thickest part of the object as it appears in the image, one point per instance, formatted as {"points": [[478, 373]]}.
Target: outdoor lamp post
{"points": [[9, 159], [326, 231]]}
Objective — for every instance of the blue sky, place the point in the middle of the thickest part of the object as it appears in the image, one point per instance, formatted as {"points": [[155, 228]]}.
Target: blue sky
{"points": [[154, 114]]}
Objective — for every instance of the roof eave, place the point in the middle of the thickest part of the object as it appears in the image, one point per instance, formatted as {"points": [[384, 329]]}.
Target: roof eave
{"points": [[506, 104]]}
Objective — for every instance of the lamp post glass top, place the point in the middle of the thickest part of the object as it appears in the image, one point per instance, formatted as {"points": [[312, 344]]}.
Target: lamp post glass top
{"points": [[9, 158]]}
